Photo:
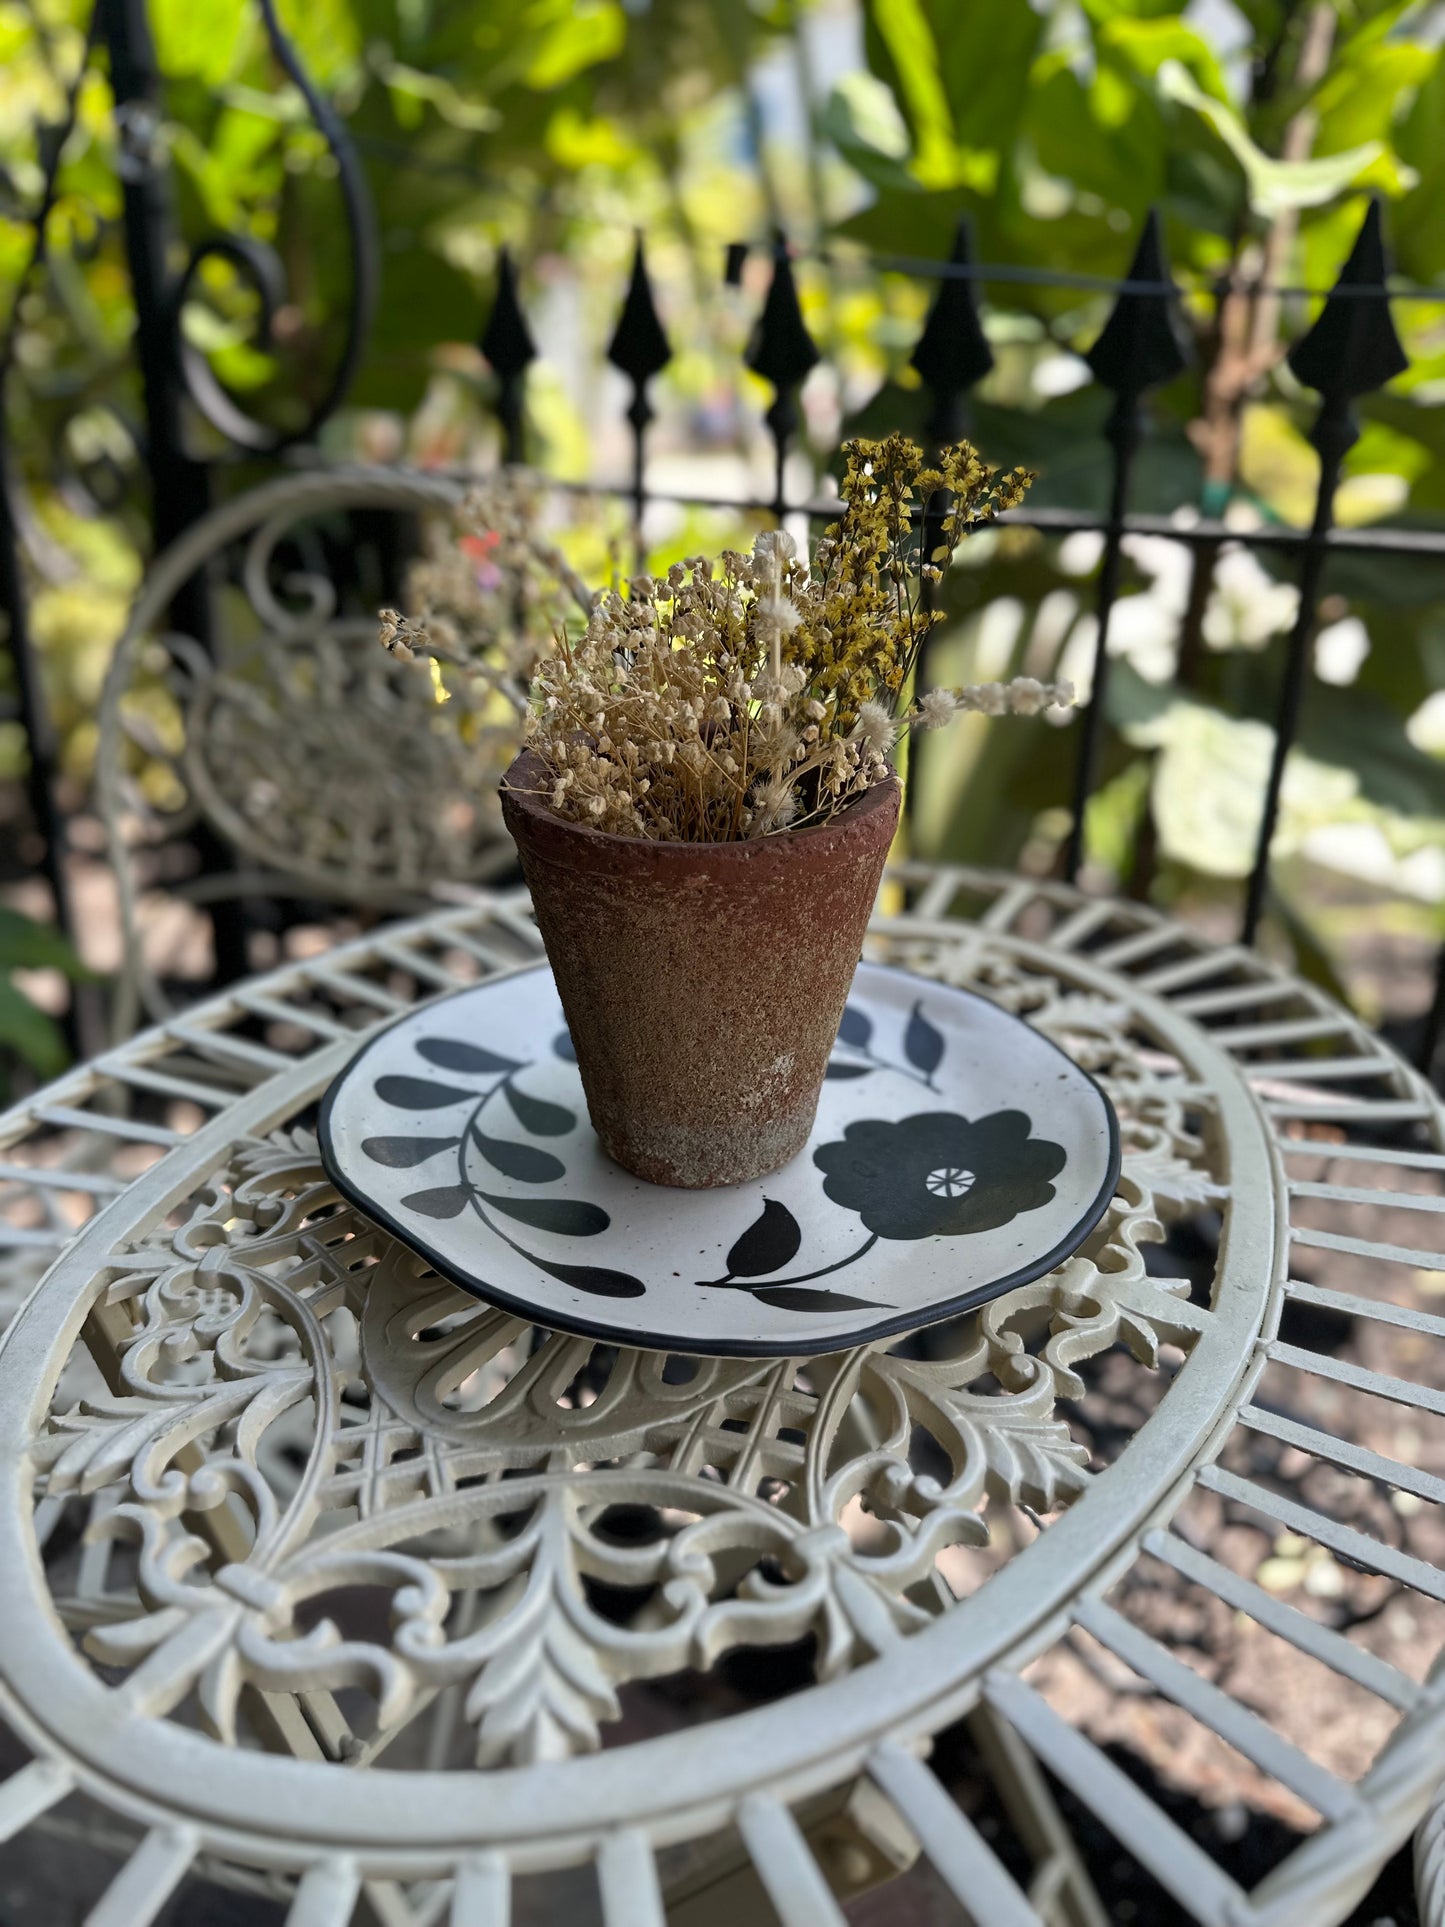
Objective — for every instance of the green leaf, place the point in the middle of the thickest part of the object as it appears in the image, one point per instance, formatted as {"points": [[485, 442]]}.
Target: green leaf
{"points": [[1000, 42], [1275, 187], [28, 945], [587, 33], [200, 38], [1146, 44], [1357, 730], [1416, 229], [32, 1034], [863, 122], [903, 27]]}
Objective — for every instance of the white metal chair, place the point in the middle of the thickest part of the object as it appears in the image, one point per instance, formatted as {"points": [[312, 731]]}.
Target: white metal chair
{"points": [[310, 758]]}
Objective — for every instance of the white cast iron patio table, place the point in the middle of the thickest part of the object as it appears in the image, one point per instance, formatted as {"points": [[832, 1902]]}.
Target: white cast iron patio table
{"points": [[320, 1578]]}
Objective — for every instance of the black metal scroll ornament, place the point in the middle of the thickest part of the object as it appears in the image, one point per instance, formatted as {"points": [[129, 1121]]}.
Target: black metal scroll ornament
{"points": [[507, 344], [640, 349], [171, 369], [782, 352], [1142, 346], [262, 267], [1351, 350]]}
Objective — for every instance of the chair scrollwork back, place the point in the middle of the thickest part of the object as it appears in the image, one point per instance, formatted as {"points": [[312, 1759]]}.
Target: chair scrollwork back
{"points": [[322, 767]]}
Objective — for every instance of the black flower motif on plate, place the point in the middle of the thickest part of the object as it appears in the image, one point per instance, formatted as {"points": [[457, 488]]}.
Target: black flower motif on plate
{"points": [[938, 1174]]}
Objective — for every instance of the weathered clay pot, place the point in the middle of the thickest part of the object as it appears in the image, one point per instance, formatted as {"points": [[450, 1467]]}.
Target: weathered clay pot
{"points": [[703, 983]]}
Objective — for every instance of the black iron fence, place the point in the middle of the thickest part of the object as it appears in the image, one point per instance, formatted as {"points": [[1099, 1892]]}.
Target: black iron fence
{"points": [[1351, 351]]}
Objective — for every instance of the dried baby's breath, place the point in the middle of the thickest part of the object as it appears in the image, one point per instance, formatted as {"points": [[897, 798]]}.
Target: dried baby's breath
{"points": [[734, 698], [758, 693]]}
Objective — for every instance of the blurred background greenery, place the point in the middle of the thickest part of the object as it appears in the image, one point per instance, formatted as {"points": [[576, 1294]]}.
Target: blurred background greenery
{"points": [[563, 127]]}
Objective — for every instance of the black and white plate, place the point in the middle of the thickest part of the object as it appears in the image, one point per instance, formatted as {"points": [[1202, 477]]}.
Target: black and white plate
{"points": [[957, 1153]]}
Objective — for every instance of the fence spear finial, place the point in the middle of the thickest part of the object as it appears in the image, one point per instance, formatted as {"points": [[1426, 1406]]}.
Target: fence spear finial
{"points": [[1351, 350], [1141, 346], [638, 346], [640, 349], [782, 352], [952, 354], [508, 345]]}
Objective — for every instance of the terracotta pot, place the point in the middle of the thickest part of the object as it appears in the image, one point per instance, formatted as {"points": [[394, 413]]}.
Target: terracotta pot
{"points": [[703, 983]]}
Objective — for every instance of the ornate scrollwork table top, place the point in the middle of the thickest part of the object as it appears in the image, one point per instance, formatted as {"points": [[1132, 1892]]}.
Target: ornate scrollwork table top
{"points": [[317, 1570]]}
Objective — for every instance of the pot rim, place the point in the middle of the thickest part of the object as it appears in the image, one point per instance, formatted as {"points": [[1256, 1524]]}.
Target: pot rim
{"points": [[853, 815]]}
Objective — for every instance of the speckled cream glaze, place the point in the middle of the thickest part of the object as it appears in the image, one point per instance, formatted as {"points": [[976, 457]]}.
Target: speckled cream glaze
{"points": [[703, 982]]}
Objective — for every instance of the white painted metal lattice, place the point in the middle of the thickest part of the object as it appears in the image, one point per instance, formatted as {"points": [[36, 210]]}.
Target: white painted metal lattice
{"points": [[233, 1409]]}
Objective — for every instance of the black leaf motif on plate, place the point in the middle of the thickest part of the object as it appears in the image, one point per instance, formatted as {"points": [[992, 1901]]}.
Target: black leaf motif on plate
{"points": [[419, 1093], [444, 1202], [402, 1152], [570, 1217], [451, 1054], [922, 1043], [799, 1298], [534, 1114], [562, 1046], [837, 1071], [521, 1161], [856, 1028], [594, 1278], [770, 1242]]}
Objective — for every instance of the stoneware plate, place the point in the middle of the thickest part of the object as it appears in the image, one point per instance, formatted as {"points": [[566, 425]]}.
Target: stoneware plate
{"points": [[957, 1153]]}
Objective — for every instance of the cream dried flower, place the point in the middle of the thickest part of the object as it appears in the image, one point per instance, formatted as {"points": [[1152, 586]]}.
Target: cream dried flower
{"points": [[875, 728]]}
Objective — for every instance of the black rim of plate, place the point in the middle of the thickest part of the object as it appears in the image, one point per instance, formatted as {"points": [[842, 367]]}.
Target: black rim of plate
{"points": [[636, 1339]]}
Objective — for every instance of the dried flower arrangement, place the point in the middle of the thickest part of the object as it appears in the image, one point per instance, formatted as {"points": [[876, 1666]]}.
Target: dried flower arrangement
{"points": [[729, 701], [493, 592]]}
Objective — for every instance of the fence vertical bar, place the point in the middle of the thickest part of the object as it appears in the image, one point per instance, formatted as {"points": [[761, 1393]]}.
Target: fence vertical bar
{"points": [[782, 352], [951, 356], [180, 486], [1141, 346], [640, 349], [35, 718], [507, 344], [1351, 350]]}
